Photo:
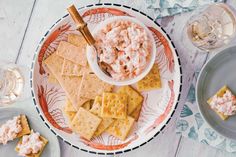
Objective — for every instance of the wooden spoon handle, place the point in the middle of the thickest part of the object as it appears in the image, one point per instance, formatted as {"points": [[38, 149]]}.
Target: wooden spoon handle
{"points": [[81, 25]]}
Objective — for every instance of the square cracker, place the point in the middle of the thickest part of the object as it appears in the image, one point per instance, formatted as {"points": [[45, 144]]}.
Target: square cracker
{"points": [[91, 86], [151, 81], [96, 109], [121, 128], [85, 123], [220, 93], [136, 113], [72, 53], [43, 139], [114, 105], [25, 126], [134, 97], [69, 84]]}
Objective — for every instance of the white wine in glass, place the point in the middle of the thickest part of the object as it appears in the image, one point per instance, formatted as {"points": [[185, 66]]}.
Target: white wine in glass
{"points": [[12, 83], [211, 27]]}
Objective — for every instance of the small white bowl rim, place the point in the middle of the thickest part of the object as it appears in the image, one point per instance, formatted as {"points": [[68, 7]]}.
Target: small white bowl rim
{"points": [[92, 59]]}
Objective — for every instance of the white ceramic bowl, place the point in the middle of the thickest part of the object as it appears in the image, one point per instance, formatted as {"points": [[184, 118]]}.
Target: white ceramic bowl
{"points": [[92, 55]]}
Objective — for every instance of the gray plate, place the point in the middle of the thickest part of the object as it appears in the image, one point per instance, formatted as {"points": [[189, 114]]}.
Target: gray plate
{"points": [[219, 71], [51, 150]]}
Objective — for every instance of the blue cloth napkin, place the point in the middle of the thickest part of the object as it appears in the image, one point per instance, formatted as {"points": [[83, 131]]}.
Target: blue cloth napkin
{"points": [[162, 8]]}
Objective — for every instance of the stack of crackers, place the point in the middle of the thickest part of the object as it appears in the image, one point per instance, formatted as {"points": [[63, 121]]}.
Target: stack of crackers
{"points": [[113, 113], [68, 66], [92, 108]]}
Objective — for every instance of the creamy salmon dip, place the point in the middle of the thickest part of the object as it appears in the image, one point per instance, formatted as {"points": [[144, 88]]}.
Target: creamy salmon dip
{"points": [[125, 47], [10, 129], [30, 144], [225, 104]]}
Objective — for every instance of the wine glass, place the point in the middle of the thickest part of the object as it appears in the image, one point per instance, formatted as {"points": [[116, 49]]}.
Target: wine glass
{"points": [[210, 27], [13, 86]]}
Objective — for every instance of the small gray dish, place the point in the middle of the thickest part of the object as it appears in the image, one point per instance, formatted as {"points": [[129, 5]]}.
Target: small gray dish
{"points": [[52, 149], [217, 72]]}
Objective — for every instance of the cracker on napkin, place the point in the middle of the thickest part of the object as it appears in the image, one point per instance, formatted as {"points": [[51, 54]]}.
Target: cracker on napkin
{"points": [[151, 81], [91, 86], [96, 109], [121, 127], [72, 53], [85, 123], [69, 84], [114, 105], [134, 97]]}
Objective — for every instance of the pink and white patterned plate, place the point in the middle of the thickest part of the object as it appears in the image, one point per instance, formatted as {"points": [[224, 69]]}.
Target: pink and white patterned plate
{"points": [[158, 106]]}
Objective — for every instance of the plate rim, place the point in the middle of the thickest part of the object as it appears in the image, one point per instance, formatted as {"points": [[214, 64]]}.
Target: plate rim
{"points": [[200, 108], [112, 152]]}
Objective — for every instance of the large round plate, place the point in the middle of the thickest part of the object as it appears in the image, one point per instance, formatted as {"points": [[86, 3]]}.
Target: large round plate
{"points": [[51, 150], [219, 71], [158, 106]]}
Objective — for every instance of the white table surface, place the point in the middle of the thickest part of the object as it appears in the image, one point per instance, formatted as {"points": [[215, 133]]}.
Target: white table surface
{"points": [[24, 22]]}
